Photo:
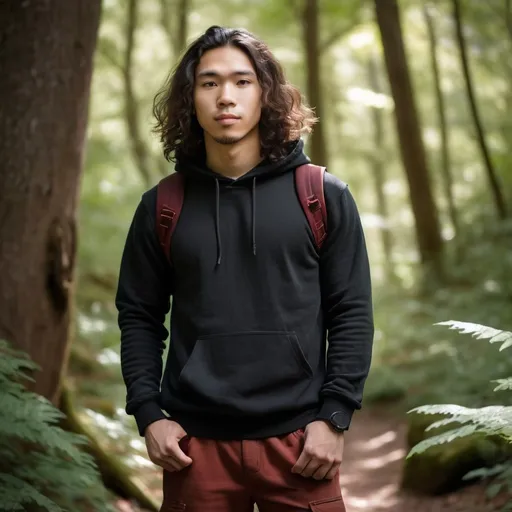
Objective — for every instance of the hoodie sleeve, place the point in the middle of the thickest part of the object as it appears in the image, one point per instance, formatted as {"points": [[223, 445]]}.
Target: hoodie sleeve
{"points": [[347, 303], [143, 300]]}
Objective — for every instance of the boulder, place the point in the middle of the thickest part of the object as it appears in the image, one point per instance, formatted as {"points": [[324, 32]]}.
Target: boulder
{"points": [[440, 469]]}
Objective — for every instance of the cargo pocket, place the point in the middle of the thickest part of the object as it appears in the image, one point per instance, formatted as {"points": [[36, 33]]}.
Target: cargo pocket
{"points": [[328, 505], [254, 372]]}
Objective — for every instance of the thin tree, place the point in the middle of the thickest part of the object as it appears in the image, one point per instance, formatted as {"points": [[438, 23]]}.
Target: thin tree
{"points": [[427, 227], [446, 171], [379, 171], [499, 199], [138, 145], [313, 89], [176, 27]]}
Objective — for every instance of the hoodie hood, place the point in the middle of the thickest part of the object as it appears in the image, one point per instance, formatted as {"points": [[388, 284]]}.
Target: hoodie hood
{"points": [[194, 169]]}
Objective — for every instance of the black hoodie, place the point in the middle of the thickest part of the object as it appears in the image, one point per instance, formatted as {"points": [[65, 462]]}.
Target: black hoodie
{"points": [[252, 301]]}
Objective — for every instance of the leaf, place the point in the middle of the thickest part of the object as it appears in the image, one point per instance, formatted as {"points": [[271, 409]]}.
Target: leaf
{"points": [[15, 493], [493, 490], [485, 472], [503, 384], [445, 437], [481, 332]]}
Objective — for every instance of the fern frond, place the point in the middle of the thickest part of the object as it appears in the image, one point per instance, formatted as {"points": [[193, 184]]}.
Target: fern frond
{"points": [[503, 384], [15, 494], [445, 437], [481, 332]]}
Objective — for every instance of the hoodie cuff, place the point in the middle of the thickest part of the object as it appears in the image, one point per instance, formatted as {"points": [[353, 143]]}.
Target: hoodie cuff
{"points": [[330, 406], [148, 413]]}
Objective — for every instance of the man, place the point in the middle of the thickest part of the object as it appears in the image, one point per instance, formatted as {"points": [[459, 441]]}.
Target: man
{"points": [[257, 409]]}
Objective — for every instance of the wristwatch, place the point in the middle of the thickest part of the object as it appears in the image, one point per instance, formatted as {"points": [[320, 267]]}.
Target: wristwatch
{"points": [[336, 421]]}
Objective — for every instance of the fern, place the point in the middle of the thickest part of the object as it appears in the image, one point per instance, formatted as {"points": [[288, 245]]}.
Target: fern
{"points": [[503, 384], [41, 465], [481, 332], [487, 421], [446, 437]]}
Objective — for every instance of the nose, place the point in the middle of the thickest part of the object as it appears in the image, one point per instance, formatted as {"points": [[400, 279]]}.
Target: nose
{"points": [[226, 96]]}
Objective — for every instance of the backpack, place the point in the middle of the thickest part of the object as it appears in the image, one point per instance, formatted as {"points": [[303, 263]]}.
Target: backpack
{"points": [[309, 182]]}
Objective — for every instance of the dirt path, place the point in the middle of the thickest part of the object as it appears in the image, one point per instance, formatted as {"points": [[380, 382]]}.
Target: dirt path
{"points": [[372, 467]]}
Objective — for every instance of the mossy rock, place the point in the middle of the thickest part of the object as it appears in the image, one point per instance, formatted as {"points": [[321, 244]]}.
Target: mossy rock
{"points": [[440, 469]]}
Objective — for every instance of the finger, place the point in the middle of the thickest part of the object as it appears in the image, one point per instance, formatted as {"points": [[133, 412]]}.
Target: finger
{"points": [[301, 463], [176, 453], [312, 466], [332, 472], [169, 465], [322, 471]]}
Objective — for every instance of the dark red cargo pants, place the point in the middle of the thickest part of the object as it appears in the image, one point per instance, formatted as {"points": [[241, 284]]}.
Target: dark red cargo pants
{"points": [[230, 476]]}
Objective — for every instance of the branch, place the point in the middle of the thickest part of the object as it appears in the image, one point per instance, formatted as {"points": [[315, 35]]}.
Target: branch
{"points": [[108, 55], [329, 41]]}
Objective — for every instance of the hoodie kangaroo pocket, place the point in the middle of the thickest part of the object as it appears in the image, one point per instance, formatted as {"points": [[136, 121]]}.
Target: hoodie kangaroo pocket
{"points": [[253, 372]]}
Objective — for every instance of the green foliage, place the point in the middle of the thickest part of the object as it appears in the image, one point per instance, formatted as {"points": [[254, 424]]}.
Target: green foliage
{"points": [[40, 463], [487, 421]]}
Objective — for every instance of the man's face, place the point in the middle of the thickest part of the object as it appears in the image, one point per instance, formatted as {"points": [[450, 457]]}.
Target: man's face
{"points": [[227, 95]]}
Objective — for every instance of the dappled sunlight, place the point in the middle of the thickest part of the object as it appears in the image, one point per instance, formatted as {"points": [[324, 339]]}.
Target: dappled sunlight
{"points": [[381, 499], [383, 460], [377, 442]]}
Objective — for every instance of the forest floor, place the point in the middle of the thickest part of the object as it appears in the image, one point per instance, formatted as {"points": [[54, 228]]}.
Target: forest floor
{"points": [[371, 472]]}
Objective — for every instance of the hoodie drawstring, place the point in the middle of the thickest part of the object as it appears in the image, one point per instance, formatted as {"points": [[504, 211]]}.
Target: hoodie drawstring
{"points": [[217, 221], [217, 218], [254, 216]]}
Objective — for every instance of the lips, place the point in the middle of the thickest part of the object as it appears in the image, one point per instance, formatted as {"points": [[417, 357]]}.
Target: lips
{"points": [[223, 117]]}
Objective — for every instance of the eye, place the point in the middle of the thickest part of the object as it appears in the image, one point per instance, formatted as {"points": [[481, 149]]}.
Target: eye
{"points": [[209, 84], [243, 82]]}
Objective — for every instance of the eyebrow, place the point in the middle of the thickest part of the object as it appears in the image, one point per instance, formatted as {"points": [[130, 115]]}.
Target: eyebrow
{"points": [[212, 73]]}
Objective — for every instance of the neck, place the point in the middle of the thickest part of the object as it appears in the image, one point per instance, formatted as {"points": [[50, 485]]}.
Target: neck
{"points": [[233, 160]]}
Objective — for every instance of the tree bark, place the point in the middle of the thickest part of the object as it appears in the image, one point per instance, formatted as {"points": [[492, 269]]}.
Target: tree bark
{"points": [[138, 145], [499, 199], [411, 145], [314, 92], [378, 173], [46, 59], [445, 156]]}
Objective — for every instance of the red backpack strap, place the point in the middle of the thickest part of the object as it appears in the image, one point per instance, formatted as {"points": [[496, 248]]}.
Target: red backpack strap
{"points": [[169, 202], [309, 180]]}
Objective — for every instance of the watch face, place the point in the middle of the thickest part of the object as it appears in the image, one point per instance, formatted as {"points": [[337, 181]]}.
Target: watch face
{"points": [[336, 420]]}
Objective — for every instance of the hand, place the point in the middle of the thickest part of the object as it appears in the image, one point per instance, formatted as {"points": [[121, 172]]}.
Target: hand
{"points": [[162, 438], [322, 453]]}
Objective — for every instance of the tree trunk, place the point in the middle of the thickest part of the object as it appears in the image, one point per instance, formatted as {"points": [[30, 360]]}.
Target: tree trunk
{"points": [[138, 145], [177, 33], [46, 61], [183, 9], [378, 172], [411, 145], [508, 16], [314, 93], [445, 157], [499, 200]]}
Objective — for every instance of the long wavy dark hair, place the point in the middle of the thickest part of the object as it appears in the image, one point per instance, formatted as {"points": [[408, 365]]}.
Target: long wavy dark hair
{"points": [[284, 116]]}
